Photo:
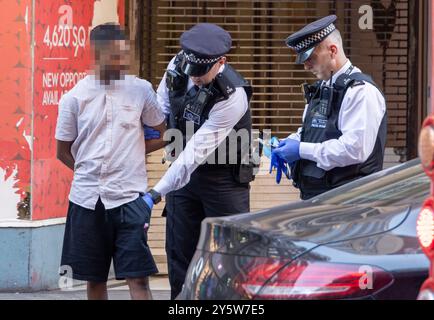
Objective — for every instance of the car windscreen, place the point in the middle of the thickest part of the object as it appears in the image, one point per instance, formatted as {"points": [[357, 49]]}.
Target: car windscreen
{"points": [[405, 184]]}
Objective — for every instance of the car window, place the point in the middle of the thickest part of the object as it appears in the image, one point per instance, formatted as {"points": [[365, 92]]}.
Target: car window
{"points": [[406, 184]]}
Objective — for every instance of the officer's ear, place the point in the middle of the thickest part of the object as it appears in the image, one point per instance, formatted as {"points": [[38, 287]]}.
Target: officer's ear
{"points": [[333, 50], [222, 61]]}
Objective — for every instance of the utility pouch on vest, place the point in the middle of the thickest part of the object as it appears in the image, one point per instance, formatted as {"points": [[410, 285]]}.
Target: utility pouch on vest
{"points": [[244, 173], [310, 169]]}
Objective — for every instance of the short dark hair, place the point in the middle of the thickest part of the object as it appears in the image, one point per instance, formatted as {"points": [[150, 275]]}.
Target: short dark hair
{"points": [[107, 32]]}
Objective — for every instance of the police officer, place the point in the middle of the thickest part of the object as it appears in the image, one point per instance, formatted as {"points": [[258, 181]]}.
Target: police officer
{"points": [[201, 91], [343, 135]]}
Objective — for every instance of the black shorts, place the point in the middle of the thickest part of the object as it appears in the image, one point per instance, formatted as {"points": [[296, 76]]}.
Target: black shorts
{"points": [[94, 237]]}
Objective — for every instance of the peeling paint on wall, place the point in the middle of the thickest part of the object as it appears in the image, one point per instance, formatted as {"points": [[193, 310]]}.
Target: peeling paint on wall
{"points": [[15, 104], [9, 197]]}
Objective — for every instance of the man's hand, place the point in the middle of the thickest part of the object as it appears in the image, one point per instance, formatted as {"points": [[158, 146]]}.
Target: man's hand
{"points": [[64, 153], [148, 200], [151, 133], [154, 137], [288, 150]]}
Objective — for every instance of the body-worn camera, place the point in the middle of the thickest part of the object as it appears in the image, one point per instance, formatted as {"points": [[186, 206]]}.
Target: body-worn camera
{"points": [[193, 111]]}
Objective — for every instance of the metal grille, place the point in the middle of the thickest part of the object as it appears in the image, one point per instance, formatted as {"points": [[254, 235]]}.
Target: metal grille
{"points": [[258, 29]]}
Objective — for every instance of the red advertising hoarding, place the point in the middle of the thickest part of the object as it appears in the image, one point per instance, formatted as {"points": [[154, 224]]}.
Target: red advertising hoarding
{"points": [[15, 105]]}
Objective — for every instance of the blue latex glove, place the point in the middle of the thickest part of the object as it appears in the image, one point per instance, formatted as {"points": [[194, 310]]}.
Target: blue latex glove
{"points": [[267, 148], [151, 134], [288, 150], [280, 165], [148, 200]]}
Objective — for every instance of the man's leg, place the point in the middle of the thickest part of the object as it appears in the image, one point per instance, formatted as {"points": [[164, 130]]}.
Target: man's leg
{"points": [[184, 216], [139, 288], [97, 291], [132, 258], [87, 248]]}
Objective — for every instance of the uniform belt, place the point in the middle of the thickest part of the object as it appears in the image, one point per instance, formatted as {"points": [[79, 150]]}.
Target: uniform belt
{"points": [[214, 167]]}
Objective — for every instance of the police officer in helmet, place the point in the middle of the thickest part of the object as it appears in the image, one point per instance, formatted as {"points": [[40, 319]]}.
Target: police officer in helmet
{"points": [[343, 135], [201, 91]]}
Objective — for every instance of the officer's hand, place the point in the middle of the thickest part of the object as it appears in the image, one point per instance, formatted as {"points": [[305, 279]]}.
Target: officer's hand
{"points": [[148, 200], [288, 150], [151, 134]]}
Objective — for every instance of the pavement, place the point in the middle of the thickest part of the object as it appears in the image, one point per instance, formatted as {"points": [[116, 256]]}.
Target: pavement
{"points": [[117, 290]]}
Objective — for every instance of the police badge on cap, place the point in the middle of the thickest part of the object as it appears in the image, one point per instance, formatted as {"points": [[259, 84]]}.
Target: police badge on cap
{"points": [[203, 45], [305, 40]]}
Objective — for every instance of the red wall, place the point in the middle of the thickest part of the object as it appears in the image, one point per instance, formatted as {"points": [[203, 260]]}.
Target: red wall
{"points": [[15, 93]]}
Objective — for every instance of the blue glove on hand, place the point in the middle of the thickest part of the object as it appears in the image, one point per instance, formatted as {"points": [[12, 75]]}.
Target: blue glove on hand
{"points": [[280, 166], [151, 134], [148, 200], [288, 150]]}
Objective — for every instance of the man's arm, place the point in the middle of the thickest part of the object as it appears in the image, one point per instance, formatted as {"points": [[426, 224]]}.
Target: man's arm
{"points": [[158, 143], [64, 153], [222, 119], [66, 129]]}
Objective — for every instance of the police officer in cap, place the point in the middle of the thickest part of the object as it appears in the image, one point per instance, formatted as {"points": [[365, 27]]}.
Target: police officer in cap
{"points": [[343, 135], [201, 91]]}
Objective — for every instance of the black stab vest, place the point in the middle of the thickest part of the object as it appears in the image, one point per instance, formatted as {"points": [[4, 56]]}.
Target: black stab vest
{"points": [[319, 127], [180, 98]]}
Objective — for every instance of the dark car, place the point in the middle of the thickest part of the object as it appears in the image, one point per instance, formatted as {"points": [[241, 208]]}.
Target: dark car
{"points": [[355, 242]]}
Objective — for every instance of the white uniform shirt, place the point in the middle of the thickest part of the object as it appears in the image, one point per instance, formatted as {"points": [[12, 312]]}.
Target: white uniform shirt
{"points": [[362, 111], [106, 126], [222, 118]]}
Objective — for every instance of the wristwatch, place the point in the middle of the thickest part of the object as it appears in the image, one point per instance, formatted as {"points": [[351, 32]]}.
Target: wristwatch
{"points": [[156, 196]]}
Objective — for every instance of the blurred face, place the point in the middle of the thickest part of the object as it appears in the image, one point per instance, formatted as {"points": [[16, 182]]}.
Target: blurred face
{"points": [[112, 59], [322, 61], [210, 76]]}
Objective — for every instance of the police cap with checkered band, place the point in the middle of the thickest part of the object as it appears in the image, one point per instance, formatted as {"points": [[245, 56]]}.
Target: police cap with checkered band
{"points": [[305, 41], [203, 45]]}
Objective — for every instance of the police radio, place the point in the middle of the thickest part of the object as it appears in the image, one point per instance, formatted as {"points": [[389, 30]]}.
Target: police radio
{"points": [[326, 98], [176, 79]]}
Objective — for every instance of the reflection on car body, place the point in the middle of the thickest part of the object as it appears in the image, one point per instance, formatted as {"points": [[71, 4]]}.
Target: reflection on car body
{"points": [[329, 247]]}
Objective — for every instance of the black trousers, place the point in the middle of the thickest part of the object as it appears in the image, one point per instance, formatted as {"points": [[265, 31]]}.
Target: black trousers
{"points": [[210, 193]]}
